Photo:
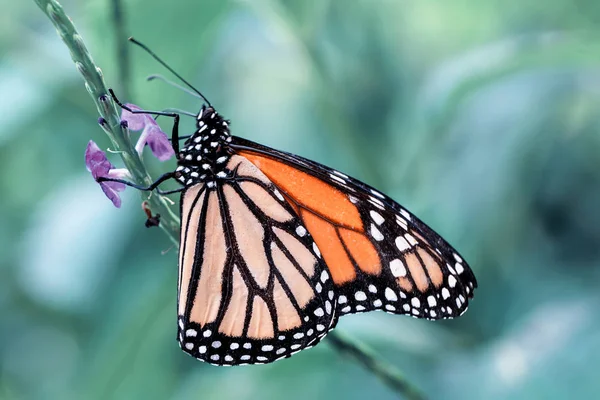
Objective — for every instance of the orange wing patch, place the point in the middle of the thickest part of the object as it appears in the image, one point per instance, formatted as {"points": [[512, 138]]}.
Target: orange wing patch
{"points": [[330, 217], [310, 192], [331, 248], [362, 251]]}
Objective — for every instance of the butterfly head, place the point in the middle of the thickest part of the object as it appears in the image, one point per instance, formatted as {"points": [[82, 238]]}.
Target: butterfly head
{"points": [[205, 154]]}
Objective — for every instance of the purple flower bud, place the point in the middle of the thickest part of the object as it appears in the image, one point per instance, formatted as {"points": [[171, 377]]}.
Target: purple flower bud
{"points": [[102, 121], [97, 163], [151, 135], [103, 98]]}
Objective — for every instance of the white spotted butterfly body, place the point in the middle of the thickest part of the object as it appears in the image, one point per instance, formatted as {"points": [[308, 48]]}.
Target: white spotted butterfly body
{"points": [[275, 248]]}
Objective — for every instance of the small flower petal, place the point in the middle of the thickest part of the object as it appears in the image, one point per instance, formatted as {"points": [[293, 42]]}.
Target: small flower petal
{"points": [[119, 173], [135, 122], [159, 143], [151, 135], [97, 163], [111, 190]]}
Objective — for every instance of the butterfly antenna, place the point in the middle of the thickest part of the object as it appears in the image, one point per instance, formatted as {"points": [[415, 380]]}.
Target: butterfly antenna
{"points": [[164, 64], [169, 82], [179, 111]]}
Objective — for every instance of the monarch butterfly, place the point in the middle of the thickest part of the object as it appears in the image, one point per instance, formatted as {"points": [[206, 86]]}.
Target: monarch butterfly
{"points": [[274, 248]]}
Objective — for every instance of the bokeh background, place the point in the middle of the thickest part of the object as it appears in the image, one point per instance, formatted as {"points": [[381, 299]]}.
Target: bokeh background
{"points": [[483, 118]]}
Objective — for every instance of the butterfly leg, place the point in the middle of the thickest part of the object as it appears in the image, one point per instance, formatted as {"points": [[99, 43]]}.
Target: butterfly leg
{"points": [[183, 137], [175, 116], [181, 189], [153, 186]]}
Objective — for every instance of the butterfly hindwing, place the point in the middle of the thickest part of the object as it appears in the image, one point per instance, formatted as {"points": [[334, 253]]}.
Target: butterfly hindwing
{"points": [[253, 287], [380, 255]]}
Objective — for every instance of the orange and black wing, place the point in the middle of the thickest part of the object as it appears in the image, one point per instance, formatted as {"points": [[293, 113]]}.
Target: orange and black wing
{"points": [[253, 287], [380, 256]]}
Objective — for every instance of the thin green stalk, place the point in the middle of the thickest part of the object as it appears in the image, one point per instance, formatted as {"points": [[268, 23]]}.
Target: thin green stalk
{"points": [[119, 136], [123, 59], [378, 367]]}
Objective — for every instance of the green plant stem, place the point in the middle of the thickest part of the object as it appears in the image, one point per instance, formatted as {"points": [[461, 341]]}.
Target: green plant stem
{"points": [[122, 45], [119, 136], [378, 367]]}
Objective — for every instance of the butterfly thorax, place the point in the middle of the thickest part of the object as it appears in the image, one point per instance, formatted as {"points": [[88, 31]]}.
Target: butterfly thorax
{"points": [[204, 156]]}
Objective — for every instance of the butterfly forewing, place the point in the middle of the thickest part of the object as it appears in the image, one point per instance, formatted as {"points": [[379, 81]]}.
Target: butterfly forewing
{"points": [[253, 287], [379, 255]]}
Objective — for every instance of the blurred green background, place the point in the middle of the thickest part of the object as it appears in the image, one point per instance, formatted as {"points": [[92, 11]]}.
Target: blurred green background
{"points": [[483, 118]]}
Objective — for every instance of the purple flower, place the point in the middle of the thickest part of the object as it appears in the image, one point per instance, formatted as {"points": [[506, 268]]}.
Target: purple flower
{"points": [[97, 163], [151, 134], [136, 122]]}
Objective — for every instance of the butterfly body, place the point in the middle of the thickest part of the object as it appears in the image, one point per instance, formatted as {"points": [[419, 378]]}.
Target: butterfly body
{"points": [[205, 154]]}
